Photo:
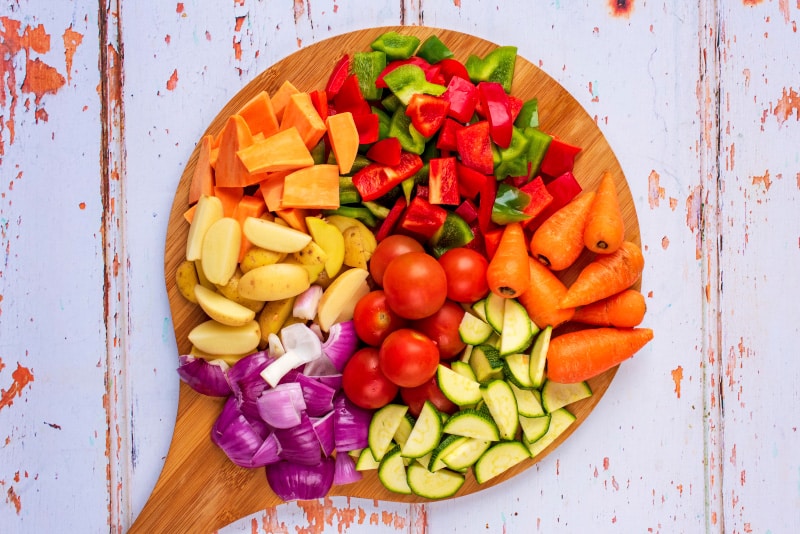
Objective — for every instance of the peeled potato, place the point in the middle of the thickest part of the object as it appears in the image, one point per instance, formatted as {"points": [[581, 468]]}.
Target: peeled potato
{"points": [[213, 337], [222, 309], [220, 252], [208, 211], [231, 291], [339, 296], [274, 282]]}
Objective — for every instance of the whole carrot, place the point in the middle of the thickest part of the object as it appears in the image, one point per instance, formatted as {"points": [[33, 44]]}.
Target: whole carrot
{"points": [[625, 309], [508, 274], [558, 241], [606, 275], [578, 356], [542, 298], [605, 228]]}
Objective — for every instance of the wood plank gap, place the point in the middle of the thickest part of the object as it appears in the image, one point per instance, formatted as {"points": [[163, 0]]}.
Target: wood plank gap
{"points": [[704, 203], [119, 424]]}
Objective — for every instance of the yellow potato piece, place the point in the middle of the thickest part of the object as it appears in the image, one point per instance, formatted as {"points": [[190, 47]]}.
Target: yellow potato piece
{"points": [[257, 256], [213, 337], [273, 282], [330, 238], [201, 276], [273, 316], [347, 311], [355, 252], [220, 254], [343, 223], [186, 278], [208, 211], [231, 291], [339, 296], [222, 309], [230, 359], [312, 257], [273, 236]]}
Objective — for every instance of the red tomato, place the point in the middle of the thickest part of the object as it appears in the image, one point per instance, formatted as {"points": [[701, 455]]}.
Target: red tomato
{"points": [[442, 328], [466, 274], [408, 358], [415, 285], [415, 398], [364, 383], [389, 249], [374, 320]]}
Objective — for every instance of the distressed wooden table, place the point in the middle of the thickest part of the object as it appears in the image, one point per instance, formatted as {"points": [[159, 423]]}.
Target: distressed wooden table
{"points": [[102, 103]]}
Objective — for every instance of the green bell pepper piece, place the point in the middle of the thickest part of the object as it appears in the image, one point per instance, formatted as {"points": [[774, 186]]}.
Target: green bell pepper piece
{"points": [[367, 66], [433, 50], [348, 194], [509, 204], [384, 121], [513, 161], [496, 66], [401, 128], [391, 103], [538, 143], [355, 212], [528, 115], [406, 80], [395, 45]]}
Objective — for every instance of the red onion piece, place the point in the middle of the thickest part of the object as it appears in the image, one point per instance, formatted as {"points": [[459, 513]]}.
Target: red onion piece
{"points": [[351, 424], [318, 396], [345, 472], [203, 376], [234, 434], [246, 383], [291, 481], [305, 304], [323, 428], [299, 444], [342, 342], [281, 406]]}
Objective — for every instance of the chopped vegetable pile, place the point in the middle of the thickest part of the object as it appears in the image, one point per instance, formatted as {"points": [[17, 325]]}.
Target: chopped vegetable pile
{"points": [[379, 263]]}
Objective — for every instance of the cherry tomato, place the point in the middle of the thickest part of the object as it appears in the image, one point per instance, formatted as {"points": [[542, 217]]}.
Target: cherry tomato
{"points": [[364, 383], [415, 285], [442, 328], [466, 274], [415, 398], [408, 358], [387, 250], [374, 320]]}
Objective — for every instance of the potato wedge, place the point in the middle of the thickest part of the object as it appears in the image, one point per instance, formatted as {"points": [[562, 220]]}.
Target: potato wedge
{"points": [[339, 296], [208, 211], [273, 316], [213, 337], [222, 309], [330, 238], [186, 278], [257, 257], [274, 282], [355, 250], [231, 291], [220, 253], [271, 236]]}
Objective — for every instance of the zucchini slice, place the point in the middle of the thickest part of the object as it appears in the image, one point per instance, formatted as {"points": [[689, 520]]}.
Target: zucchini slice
{"points": [[392, 472], [499, 458], [466, 454], [426, 434], [365, 461], [486, 363], [516, 334], [472, 424], [556, 395], [402, 432], [528, 403], [434, 485], [474, 330], [539, 356], [560, 420], [534, 428], [459, 389], [383, 426], [502, 404], [516, 369], [495, 307], [445, 447]]}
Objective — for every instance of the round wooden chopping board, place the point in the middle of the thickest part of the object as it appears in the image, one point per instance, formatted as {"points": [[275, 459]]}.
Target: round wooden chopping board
{"points": [[199, 489]]}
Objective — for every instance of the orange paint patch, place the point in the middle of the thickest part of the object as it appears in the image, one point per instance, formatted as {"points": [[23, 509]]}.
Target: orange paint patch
{"points": [[763, 180], [173, 81], [179, 8], [21, 377], [783, 7], [72, 40], [751, 2], [788, 105], [693, 212], [457, 3], [677, 377], [665, 242], [13, 498], [654, 190], [621, 8], [40, 79]]}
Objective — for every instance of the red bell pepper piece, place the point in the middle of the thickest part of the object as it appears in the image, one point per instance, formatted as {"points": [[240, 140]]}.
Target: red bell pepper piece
{"points": [[515, 106], [559, 158], [434, 75], [375, 180], [494, 102], [468, 211], [470, 181], [349, 98], [422, 218], [491, 240], [338, 76], [447, 135], [368, 126], [540, 198], [387, 226], [475, 147], [463, 97], [386, 151], [450, 67], [486, 203], [421, 191], [443, 181], [562, 189], [427, 113], [319, 99]]}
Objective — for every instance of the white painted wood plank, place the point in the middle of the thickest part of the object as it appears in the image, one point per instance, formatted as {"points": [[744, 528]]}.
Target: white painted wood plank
{"points": [[53, 440], [760, 255]]}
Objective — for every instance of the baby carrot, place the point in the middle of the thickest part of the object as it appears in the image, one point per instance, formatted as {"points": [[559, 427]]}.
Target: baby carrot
{"points": [[558, 242], [605, 229], [578, 356], [542, 298], [625, 309], [508, 274], [606, 275]]}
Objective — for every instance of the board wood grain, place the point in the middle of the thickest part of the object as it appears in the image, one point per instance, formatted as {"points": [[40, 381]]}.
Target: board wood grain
{"points": [[199, 489]]}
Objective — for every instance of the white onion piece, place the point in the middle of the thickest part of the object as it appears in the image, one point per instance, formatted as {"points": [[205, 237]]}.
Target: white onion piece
{"points": [[305, 305]]}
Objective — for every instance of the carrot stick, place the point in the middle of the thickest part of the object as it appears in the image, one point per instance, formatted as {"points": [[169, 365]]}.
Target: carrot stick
{"points": [[605, 229], [558, 242], [542, 298], [606, 275], [626, 309], [508, 274], [578, 356]]}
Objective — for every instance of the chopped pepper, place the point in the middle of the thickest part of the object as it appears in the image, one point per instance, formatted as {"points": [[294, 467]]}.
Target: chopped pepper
{"points": [[496, 66], [375, 180], [509, 205], [427, 113], [528, 115], [368, 126], [354, 212], [349, 98], [433, 50], [338, 75], [443, 181], [485, 204], [514, 159], [367, 66], [408, 79], [463, 96], [468, 211], [452, 67], [395, 45], [538, 142], [447, 135], [401, 128], [563, 189], [540, 198], [494, 102], [559, 158], [470, 181], [386, 151], [475, 147], [387, 226], [384, 121], [422, 218]]}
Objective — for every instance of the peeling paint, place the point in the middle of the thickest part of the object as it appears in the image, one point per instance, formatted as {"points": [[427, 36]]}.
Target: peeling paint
{"points": [[621, 8], [788, 105], [654, 190], [72, 40], [763, 180], [677, 377], [173, 81], [20, 379], [694, 207]]}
